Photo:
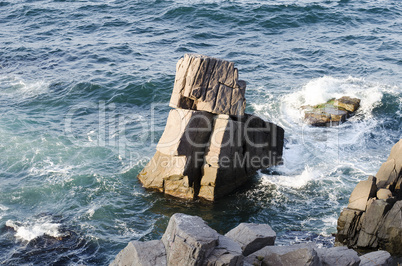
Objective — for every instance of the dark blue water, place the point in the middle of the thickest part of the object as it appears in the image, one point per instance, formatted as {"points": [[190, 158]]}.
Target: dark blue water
{"points": [[84, 92]]}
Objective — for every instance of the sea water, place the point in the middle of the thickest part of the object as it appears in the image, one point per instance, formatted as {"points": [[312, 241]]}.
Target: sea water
{"points": [[84, 92]]}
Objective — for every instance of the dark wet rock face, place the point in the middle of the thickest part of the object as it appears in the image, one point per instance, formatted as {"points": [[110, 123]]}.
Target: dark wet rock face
{"points": [[331, 113], [373, 218]]}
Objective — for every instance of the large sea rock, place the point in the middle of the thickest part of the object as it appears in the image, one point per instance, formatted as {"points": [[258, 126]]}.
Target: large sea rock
{"points": [[210, 146], [373, 218]]}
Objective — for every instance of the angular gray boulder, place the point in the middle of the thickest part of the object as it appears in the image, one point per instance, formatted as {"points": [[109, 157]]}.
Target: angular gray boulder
{"points": [[299, 254], [341, 256], [141, 254], [378, 258], [332, 113], [228, 252], [188, 240], [362, 192], [252, 237]]}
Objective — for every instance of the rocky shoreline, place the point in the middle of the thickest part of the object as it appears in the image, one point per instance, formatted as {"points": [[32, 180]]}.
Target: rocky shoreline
{"points": [[210, 147], [373, 217], [188, 240]]}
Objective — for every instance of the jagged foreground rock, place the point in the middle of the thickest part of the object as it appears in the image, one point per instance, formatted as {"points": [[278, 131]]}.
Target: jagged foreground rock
{"points": [[210, 146], [189, 241], [373, 218]]}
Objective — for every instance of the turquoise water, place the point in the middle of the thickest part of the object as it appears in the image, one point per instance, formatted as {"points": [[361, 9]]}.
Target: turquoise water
{"points": [[84, 92]]}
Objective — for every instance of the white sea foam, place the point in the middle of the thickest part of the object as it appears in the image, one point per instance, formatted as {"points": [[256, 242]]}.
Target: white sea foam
{"points": [[320, 160], [55, 172], [323, 89], [293, 181], [3, 208], [329, 146], [30, 230], [17, 87]]}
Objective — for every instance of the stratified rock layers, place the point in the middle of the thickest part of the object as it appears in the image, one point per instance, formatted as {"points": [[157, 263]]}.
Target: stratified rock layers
{"points": [[373, 218], [208, 84], [210, 146]]}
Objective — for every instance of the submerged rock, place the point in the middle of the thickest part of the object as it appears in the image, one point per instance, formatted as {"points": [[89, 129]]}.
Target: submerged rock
{"points": [[373, 218], [210, 147], [331, 113]]}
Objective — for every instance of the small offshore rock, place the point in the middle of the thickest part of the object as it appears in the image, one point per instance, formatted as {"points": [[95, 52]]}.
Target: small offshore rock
{"points": [[252, 237], [332, 113]]}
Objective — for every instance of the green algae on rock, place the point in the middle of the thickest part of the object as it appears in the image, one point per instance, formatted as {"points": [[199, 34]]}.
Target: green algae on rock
{"points": [[331, 113]]}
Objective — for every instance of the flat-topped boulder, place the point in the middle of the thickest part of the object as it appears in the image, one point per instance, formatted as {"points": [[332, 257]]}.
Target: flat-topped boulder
{"points": [[252, 237], [210, 147], [348, 103], [331, 113]]}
